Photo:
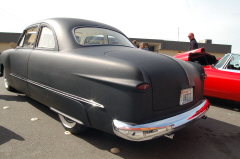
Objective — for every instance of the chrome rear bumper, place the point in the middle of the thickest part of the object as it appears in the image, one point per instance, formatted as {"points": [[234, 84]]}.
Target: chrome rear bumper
{"points": [[159, 128]]}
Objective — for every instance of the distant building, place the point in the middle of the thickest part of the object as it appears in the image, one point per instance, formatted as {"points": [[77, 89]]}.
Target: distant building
{"points": [[6, 39], [174, 47], [161, 46]]}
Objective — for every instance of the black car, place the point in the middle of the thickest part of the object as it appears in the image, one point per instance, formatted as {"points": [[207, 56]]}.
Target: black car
{"points": [[93, 76]]}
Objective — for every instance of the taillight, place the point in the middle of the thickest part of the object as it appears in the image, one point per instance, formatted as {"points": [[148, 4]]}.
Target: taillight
{"points": [[143, 86]]}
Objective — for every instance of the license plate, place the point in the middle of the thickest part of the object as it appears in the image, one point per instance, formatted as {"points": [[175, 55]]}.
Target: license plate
{"points": [[186, 96]]}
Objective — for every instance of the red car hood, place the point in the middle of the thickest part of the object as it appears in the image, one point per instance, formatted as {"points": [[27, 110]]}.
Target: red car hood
{"points": [[198, 55]]}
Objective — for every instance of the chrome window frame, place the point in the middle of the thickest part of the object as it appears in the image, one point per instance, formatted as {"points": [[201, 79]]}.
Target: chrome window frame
{"points": [[22, 37], [226, 62], [42, 25], [223, 68], [40, 35]]}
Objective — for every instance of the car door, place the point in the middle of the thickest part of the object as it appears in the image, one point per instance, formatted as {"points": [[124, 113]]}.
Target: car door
{"points": [[37, 66], [19, 59], [224, 82], [48, 76]]}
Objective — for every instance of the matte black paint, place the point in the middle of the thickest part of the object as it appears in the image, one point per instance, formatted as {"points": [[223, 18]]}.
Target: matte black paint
{"points": [[107, 75], [168, 76]]}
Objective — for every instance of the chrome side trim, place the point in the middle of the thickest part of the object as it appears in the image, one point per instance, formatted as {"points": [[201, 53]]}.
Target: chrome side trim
{"points": [[73, 119], [56, 91], [159, 128], [19, 77]]}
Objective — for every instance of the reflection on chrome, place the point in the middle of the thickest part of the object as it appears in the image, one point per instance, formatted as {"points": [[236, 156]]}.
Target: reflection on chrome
{"points": [[159, 128]]}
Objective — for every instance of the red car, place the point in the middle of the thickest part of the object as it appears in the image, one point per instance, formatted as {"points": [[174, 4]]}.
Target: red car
{"points": [[223, 76]]}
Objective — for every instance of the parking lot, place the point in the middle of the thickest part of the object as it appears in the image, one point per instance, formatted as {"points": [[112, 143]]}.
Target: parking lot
{"points": [[217, 137]]}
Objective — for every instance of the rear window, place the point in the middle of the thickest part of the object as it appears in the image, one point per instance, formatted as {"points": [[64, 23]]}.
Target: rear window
{"points": [[99, 36]]}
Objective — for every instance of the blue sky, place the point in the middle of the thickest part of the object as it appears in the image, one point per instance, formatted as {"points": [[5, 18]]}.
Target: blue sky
{"points": [[218, 20]]}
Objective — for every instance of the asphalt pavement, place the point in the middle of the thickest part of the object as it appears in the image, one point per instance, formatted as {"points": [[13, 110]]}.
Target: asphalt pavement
{"points": [[217, 137]]}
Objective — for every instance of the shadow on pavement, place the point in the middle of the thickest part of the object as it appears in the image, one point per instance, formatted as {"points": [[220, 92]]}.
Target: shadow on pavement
{"points": [[18, 98], [7, 135], [208, 138], [45, 109], [226, 104], [36, 104], [204, 139]]}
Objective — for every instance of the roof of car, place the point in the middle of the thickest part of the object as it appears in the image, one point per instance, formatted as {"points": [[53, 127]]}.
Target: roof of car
{"points": [[74, 22], [64, 28]]}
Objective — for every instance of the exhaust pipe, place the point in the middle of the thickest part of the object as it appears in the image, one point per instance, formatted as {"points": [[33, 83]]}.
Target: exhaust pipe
{"points": [[170, 136], [204, 117]]}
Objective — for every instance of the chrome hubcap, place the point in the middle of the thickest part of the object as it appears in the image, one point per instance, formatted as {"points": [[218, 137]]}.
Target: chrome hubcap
{"points": [[67, 122]]}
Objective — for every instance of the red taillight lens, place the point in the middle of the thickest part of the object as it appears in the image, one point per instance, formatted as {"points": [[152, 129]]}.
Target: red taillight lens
{"points": [[143, 86]]}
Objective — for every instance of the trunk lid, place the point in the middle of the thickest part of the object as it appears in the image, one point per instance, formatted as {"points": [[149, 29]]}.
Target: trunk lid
{"points": [[169, 76]]}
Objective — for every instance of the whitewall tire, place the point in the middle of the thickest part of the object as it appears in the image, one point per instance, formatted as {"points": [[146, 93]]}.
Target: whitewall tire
{"points": [[71, 126]]}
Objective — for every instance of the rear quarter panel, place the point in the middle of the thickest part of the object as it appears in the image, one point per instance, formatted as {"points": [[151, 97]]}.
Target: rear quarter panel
{"points": [[105, 80]]}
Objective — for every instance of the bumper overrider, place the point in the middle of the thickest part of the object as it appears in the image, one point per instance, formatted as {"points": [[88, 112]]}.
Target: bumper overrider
{"points": [[159, 128]]}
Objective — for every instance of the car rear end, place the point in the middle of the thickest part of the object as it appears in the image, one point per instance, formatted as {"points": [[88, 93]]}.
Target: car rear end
{"points": [[176, 89]]}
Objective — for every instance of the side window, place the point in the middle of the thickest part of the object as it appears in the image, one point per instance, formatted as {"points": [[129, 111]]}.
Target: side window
{"points": [[46, 39], [29, 38]]}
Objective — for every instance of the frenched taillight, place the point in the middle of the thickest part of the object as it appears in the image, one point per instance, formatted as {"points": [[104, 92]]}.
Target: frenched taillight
{"points": [[143, 86]]}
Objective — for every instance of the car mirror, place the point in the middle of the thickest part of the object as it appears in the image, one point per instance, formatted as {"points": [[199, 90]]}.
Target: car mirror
{"points": [[13, 45]]}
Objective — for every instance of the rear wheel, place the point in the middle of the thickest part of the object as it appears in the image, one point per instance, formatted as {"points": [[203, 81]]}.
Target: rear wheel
{"points": [[71, 126], [6, 84]]}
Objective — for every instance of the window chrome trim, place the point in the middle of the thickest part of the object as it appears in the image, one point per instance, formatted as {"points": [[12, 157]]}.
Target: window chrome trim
{"points": [[24, 33], [39, 38], [224, 67], [59, 92], [226, 62]]}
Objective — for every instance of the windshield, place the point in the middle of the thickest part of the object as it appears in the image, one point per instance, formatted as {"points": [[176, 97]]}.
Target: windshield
{"points": [[222, 61], [99, 36]]}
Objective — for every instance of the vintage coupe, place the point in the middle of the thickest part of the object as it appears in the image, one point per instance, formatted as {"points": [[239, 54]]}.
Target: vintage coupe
{"points": [[92, 76], [223, 76]]}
